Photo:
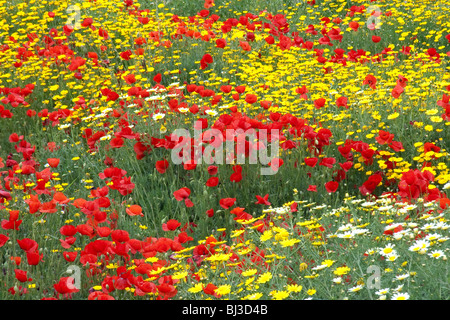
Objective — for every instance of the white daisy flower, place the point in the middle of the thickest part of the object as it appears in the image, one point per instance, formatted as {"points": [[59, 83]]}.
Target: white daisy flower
{"points": [[443, 239], [346, 235], [437, 254], [387, 249], [429, 226], [419, 245], [392, 256], [158, 116], [356, 288], [346, 227], [368, 204], [382, 291], [400, 296], [319, 267], [399, 288], [360, 231], [211, 112], [432, 237], [402, 276], [337, 280]]}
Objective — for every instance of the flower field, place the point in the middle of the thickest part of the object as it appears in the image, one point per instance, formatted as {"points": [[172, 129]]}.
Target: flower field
{"points": [[212, 150]]}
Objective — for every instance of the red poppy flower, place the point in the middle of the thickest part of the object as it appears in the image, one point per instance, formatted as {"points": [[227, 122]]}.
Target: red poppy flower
{"points": [[221, 43], [27, 244], [237, 175], [60, 198], [31, 113], [21, 275], [319, 103], [212, 182], [68, 230], [331, 186], [116, 142], [376, 39], [209, 213], [166, 291], [134, 210], [130, 78], [262, 200], [190, 165], [33, 258], [210, 289], [368, 187], [53, 162], [354, 25], [87, 22], [126, 55], [245, 45], [157, 78], [327, 162], [396, 146], [3, 240], [384, 137], [103, 231], [346, 165], [371, 81], [342, 102], [183, 194], [402, 81], [12, 223], [397, 91], [67, 242], [85, 230], [265, 104], [65, 286], [120, 236], [205, 61], [251, 98], [14, 137], [240, 89], [171, 225], [70, 256], [444, 203], [161, 166], [311, 162], [227, 202], [276, 163], [212, 170], [288, 144], [312, 188]]}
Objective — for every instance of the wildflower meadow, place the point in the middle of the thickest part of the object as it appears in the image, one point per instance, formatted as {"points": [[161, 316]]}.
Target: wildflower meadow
{"points": [[224, 150]]}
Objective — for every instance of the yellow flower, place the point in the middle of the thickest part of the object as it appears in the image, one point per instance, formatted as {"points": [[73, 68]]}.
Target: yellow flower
{"points": [[196, 288], [294, 288], [223, 289], [266, 235], [393, 116], [289, 242], [328, 263], [341, 271], [253, 296], [249, 272], [311, 292], [264, 277], [279, 295]]}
